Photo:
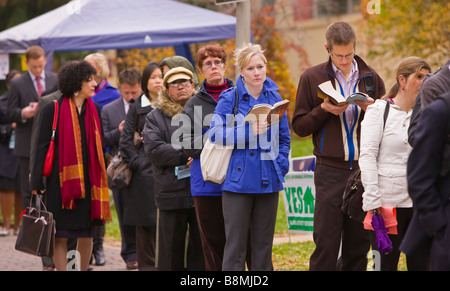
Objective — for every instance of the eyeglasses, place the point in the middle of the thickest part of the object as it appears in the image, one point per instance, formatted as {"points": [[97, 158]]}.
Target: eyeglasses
{"points": [[341, 57], [182, 83], [209, 64]]}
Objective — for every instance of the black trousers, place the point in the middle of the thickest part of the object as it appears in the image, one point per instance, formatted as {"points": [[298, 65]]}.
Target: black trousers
{"points": [[389, 262], [127, 232], [331, 225], [174, 247]]}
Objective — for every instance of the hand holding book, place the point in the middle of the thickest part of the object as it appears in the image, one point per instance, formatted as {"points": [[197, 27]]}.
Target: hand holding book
{"points": [[326, 89], [262, 116]]}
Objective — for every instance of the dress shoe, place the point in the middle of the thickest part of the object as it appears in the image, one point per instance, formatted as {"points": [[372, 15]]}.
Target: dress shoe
{"points": [[132, 265]]}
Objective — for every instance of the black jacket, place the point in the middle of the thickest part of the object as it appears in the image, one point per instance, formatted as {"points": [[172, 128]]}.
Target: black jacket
{"points": [[200, 109], [170, 193], [139, 203]]}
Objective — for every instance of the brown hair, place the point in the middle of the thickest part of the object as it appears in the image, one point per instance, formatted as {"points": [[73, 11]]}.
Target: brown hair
{"points": [[34, 52], [130, 76], [213, 50], [410, 65], [340, 33]]}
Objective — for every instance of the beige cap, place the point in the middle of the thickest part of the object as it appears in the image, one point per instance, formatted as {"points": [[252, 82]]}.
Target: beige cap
{"points": [[177, 74]]}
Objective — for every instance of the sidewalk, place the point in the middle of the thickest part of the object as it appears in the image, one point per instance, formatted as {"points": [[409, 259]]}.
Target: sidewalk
{"points": [[12, 260]]}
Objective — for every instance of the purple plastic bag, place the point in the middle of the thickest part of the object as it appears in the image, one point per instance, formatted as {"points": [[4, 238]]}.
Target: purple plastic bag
{"points": [[384, 244]]}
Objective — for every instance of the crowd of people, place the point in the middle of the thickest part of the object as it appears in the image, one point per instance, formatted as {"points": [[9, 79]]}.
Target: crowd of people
{"points": [[158, 121]]}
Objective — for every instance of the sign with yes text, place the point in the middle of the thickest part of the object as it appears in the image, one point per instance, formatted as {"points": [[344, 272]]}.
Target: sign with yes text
{"points": [[299, 197]]}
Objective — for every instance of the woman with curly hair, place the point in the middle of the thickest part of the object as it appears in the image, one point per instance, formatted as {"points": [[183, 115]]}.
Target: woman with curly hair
{"points": [[77, 189]]}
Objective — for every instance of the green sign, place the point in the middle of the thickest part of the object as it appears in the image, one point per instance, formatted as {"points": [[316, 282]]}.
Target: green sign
{"points": [[299, 196]]}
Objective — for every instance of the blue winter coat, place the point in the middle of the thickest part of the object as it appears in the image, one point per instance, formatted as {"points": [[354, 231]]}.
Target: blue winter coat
{"points": [[258, 163]]}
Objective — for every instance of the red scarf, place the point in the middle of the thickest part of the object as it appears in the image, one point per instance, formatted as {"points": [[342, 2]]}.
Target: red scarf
{"points": [[71, 172]]}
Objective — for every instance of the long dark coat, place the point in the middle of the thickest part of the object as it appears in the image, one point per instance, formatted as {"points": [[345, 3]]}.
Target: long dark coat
{"points": [[140, 206], [73, 219]]}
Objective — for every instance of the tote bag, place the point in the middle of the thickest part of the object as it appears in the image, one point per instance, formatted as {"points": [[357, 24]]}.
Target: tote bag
{"points": [[214, 159]]}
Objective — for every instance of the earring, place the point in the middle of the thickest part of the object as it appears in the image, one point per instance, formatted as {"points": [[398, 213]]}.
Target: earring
{"points": [[403, 88], [75, 94]]}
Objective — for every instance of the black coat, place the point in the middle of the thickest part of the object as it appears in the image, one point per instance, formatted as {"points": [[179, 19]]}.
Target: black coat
{"points": [[429, 188], [74, 219], [9, 162], [139, 208], [170, 193]]}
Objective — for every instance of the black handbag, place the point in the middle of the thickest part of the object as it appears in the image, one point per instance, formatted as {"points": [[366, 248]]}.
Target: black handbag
{"points": [[37, 230], [352, 199]]}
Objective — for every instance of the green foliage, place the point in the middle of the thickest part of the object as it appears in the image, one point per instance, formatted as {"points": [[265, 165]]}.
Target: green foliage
{"points": [[13, 12], [410, 28]]}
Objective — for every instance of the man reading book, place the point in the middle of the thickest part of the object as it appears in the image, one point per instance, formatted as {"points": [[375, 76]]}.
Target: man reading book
{"points": [[336, 131]]}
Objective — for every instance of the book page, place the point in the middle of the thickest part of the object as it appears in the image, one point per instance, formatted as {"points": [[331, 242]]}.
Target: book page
{"points": [[327, 89]]}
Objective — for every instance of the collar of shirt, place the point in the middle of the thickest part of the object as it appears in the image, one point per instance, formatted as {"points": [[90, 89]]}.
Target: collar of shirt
{"points": [[33, 77], [126, 105], [145, 101], [347, 83]]}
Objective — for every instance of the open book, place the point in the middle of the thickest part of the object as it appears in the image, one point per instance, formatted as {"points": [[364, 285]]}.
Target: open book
{"points": [[326, 90], [271, 113]]}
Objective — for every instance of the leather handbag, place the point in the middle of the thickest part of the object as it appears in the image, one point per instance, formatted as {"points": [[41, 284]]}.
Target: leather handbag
{"points": [[119, 172], [37, 230], [352, 200], [48, 165], [214, 159]]}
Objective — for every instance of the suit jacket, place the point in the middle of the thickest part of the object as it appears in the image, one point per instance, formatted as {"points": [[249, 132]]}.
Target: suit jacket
{"points": [[427, 186], [37, 119], [112, 115], [20, 94]]}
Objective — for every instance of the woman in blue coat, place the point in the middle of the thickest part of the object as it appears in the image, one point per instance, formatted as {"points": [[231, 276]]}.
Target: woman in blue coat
{"points": [[258, 164]]}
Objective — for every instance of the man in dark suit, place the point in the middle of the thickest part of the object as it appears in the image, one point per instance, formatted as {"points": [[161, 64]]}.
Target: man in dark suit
{"points": [[113, 119], [23, 96], [429, 185]]}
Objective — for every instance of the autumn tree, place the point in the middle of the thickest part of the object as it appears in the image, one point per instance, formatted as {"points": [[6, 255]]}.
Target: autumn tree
{"points": [[405, 28]]}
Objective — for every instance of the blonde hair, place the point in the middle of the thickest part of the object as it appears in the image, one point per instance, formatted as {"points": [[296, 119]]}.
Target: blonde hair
{"points": [[101, 62], [245, 52], [410, 65]]}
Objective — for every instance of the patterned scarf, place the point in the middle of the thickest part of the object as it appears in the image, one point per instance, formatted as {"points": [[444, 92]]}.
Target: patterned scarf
{"points": [[71, 173]]}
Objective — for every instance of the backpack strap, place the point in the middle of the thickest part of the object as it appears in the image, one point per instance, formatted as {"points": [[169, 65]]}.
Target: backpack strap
{"points": [[369, 84]]}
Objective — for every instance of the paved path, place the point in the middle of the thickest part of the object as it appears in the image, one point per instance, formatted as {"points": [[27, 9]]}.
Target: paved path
{"points": [[12, 260]]}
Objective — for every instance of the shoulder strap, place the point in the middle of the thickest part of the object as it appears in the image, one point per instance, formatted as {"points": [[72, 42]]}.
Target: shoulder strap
{"points": [[55, 118], [386, 113], [235, 109], [370, 87]]}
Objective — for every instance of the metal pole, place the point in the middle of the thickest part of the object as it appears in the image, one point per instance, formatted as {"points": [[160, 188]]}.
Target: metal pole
{"points": [[243, 25]]}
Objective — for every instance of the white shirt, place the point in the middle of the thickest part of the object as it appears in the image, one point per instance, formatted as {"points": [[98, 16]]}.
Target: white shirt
{"points": [[42, 81], [126, 105], [384, 156], [348, 87]]}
